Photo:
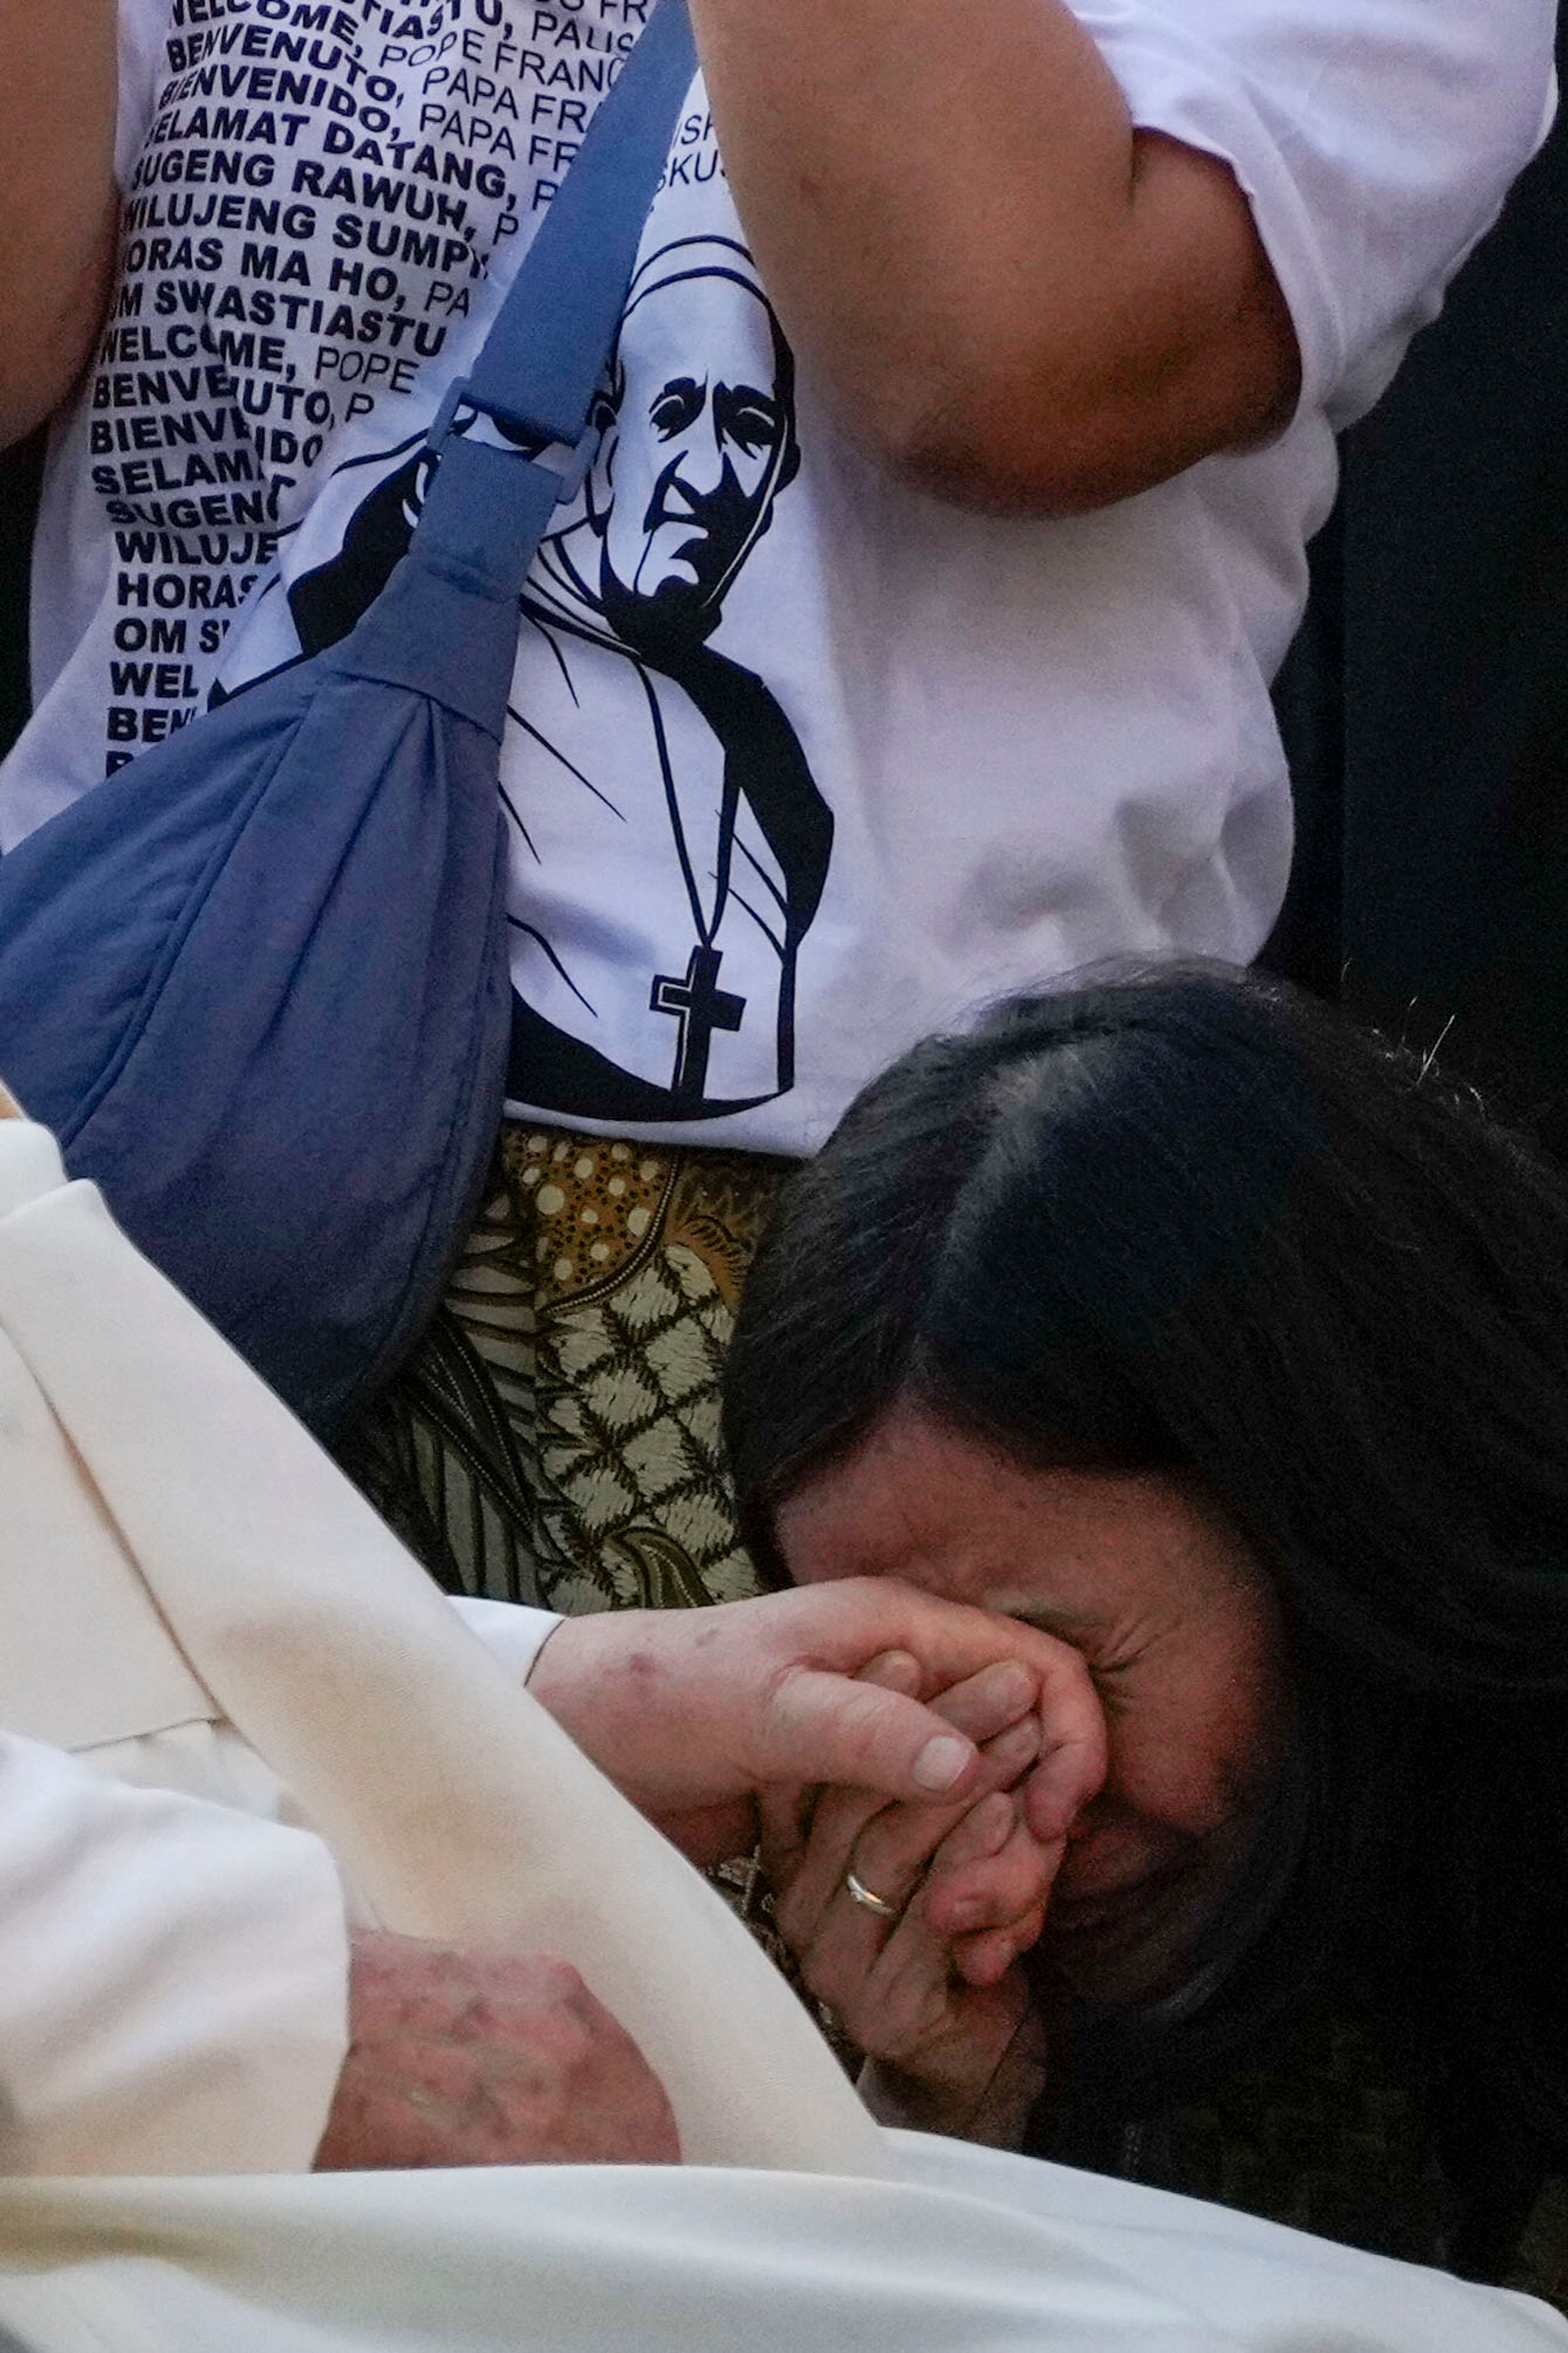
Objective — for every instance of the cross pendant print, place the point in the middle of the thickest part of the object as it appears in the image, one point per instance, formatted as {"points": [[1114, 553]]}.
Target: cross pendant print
{"points": [[701, 1007]]}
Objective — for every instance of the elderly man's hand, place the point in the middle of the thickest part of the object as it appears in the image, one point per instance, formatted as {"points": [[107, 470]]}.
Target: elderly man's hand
{"points": [[693, 1713], [475, 2057]]}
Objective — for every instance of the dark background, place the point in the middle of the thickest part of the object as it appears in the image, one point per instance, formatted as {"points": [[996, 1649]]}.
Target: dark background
{"points": [[1425, 703]]}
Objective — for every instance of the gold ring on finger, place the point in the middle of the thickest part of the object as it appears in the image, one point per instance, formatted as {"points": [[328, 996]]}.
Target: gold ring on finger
{"points": [[859, 1892]]}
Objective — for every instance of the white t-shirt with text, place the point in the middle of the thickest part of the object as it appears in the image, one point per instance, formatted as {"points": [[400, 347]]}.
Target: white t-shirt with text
{"points": [[802, 764]]}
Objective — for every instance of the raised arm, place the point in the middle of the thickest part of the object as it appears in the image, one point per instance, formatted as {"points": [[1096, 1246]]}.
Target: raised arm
{"points": [[56, 198], [1018, 302]]}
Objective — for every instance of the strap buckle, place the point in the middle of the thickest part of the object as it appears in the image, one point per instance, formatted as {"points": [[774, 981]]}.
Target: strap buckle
{"points": [[569, 460]]}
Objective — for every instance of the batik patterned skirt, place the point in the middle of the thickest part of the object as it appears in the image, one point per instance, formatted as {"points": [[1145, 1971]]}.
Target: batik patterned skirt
{"points": [[554, 1438]]}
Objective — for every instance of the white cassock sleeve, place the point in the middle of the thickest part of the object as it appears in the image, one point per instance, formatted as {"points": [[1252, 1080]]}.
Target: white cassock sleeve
{"points": [[174, 1955], [512, 1634], [173, 1978]]}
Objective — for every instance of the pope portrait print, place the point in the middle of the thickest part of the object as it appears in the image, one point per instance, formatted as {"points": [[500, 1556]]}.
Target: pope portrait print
{"points": [[636, 731], [669, 843]]}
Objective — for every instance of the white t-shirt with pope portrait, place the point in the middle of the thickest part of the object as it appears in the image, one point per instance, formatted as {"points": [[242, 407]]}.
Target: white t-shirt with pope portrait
{"points": [[802, 764]]}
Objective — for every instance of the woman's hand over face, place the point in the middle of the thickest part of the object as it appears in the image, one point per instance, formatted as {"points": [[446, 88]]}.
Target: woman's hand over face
{"points": [[694, 1714], [935, 1997]]}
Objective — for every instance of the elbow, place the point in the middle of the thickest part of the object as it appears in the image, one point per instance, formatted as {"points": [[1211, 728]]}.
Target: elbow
{"points": [[1073, 428], [977, 457], [1022, 385], [1040, 449]]}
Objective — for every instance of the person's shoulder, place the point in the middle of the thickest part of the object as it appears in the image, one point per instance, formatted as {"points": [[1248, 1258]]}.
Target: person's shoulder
{"points": [[1374, 140]]}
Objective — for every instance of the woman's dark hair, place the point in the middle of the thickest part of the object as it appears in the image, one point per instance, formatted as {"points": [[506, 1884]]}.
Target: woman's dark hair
{"points": [[1190, 1220]]}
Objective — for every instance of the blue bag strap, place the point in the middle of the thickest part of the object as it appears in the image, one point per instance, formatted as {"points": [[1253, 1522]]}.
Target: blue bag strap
{"points": [[485, 511]]}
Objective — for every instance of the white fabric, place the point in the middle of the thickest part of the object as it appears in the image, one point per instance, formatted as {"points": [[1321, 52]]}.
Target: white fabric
{"points": [[158, 1959], [513, 1635], [1038, 741], [174, 1974], [208, 1759], [172, 1979], [456, 1808], [967, 2251]]}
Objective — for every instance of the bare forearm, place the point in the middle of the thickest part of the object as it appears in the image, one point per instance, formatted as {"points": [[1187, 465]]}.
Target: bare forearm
{"points": [[57, 198], [1012, 297]]}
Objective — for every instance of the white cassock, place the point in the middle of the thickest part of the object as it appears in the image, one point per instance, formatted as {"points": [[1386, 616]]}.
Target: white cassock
{"points": [[191, 1589]]}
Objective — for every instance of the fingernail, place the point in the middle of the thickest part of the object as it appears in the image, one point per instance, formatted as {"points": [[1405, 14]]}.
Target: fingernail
{"points": [[941, 1762], [1015, 1748], [1012, 1686]]}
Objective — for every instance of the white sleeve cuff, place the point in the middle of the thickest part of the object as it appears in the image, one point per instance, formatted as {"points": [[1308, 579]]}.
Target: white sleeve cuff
{"points": [[510, 1632], [173, 1979]]}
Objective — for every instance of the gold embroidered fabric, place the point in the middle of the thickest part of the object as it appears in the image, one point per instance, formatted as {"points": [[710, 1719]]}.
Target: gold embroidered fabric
{"points": [[554, 1438]]}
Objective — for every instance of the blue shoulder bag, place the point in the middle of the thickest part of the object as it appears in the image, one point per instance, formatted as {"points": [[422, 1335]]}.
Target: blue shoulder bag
{"points": [[257, 982]]}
